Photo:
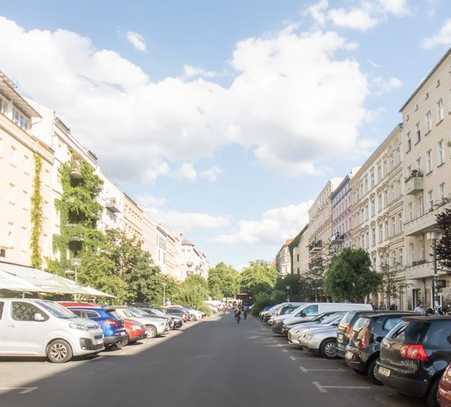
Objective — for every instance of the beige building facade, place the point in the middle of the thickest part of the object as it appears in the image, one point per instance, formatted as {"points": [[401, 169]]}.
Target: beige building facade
{"points": [[283, 259], [133, 218], [300, 253], [426, 142], [19, 149]]}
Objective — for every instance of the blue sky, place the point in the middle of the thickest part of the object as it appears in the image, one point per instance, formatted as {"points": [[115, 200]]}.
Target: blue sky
{"points": [[225, 118]]}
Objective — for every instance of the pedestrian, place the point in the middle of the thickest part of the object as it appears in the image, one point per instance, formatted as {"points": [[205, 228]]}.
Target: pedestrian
{"points": [[245, 311], [420, 309], [238, 315]]}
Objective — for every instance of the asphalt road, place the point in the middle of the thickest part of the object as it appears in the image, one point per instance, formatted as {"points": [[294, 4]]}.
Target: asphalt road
{"points": [[212, 364]]}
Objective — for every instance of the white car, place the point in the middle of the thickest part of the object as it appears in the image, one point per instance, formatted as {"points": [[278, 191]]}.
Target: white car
{"points": [[33, 327], [321, 340]]}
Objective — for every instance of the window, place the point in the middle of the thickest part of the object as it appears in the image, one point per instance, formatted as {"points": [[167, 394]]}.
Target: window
{"points": [[310, 310], [440, 110], [1, 305], [430, 201], [391, 323], [24, 311], [373, 237], [20, 119], [379, 172], [373, 207], [410, 206], [429, 161], [379, 202], [418, 133], [409, 143], [429, 121], [400, 223], [442, 191], [400, 256], [440, 152], [373, 181], [381, 234], [419, 163], [2, 105]]}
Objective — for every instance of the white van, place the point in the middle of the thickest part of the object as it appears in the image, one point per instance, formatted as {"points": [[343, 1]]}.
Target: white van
{"points": [[309, 310], [33, 327]]}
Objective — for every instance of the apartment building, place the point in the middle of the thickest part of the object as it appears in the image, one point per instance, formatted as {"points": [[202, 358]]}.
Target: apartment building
{"points": [[150, 236], [133, 218], [193, 260], [283, 259], [426, 143], [169, 256], [341, 201], [320, 228], [299, 252], [378, 214], [20, 151]]}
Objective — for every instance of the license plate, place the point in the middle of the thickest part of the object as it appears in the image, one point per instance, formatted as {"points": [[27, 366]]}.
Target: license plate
{"points": [[349, 355], [384, 372]]}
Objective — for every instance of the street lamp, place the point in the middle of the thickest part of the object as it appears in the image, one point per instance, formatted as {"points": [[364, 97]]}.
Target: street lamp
{"points": [[288, 292]]}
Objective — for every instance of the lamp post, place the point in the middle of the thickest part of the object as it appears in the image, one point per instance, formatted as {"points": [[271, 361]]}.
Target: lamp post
{"points": [[434, 236], [288, 292]]}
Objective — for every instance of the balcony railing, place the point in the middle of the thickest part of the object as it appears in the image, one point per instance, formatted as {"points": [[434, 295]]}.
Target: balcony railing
{"points": [[426, 222], [414, 183], [112, 205]]}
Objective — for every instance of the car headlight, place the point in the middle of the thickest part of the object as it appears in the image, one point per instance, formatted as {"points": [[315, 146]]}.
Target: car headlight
{"points": [[77, 325]]}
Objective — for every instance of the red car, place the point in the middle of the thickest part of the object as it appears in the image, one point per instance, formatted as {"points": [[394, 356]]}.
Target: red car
{"points": [[135, 330], [444, 389]]}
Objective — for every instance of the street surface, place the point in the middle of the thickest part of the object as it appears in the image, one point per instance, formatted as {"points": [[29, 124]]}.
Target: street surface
{"points": [[211, 364]]}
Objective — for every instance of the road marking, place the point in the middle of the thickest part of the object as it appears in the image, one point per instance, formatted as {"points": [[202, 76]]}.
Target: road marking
{"points": [[324, 389], [23, 390], [305, 370], [285, 350]]}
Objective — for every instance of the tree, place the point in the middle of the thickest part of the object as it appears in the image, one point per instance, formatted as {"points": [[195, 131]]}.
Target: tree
{"points": [[259, 277], [223, 281], [293, 287], [192, 292], [350, 276], [444, 244]]}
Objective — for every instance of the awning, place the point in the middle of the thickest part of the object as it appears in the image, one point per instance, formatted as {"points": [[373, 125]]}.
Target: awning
{"points": [[14, 277]]}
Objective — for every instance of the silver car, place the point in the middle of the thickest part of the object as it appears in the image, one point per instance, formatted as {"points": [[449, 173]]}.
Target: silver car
{"points": [[322, 340], [155, 326], [33, 327], [323, 321]]}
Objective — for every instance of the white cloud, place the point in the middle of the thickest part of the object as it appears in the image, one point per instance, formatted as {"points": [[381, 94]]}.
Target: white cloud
{"points": [[185, 222], [292, 92], [137, 40], [187, 171], [385, 85], [190, 71], [355, 18], [363, 16], [274, 226], [443, 37], [211, 174]]}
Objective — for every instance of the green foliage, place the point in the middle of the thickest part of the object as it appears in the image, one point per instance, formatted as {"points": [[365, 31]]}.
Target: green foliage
{"points": [[444, 244], [36, 214], [299, 289], [79, 212], [261, 301], [350, 277], [192, 292], [259, 277], [223, 281]]}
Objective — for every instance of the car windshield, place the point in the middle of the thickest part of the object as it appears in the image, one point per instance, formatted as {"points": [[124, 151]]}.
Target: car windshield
{"points": [[156, 312], [348, 317], [330, 318], [57, 310], [135, 312]]}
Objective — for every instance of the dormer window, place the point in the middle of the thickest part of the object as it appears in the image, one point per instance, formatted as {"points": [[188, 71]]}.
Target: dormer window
{"points": [[20, 119]]}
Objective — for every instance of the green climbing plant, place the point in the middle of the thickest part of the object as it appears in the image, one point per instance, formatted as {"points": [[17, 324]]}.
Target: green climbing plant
{"points": [[36, 214]]}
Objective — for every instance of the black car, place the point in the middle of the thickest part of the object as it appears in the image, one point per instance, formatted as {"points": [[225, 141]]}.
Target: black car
{"points": [[364, 345], [414, 356], [344, 329]]}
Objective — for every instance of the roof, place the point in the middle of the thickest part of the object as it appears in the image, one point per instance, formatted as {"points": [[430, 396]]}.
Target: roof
{"points": [[428, 318], [297, 238], [415, 92], [393, 313], [15, 277], [186, 242], [7, 87]]}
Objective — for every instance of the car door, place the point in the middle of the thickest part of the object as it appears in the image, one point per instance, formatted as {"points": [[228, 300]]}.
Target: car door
{"points": [[27, 329], [3, 326]]}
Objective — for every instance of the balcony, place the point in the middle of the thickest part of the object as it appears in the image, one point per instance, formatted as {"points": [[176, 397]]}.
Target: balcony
{"points": [[112, 205], [427, 222], [419, 269], [315, 246], [414, 183]]}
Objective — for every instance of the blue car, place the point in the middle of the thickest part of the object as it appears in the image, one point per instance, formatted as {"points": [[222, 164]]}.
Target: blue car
{"points": [[114, 331]]}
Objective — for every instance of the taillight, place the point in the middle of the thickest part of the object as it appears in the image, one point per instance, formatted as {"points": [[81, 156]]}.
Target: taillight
{"points": [[364, 338], [414, 352]]}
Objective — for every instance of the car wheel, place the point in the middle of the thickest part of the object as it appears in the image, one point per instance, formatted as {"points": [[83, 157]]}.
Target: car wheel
{"points": [[151, 332], [371, 372], [59, 351], [328, 349], [431, 398]]}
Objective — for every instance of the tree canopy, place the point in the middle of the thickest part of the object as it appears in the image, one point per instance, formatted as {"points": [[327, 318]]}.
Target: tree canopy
{"points": [[223, 281], [258, 277], [350, 276]]}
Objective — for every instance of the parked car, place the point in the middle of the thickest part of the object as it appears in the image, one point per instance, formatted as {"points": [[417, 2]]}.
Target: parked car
{"points": [[155, 326], [283, 312], [362, 351], [179, 312], [32, 327], [322, 339], [415, 355], [174, 321], [320, 321], [135, 330], [444, 389], [114, 333]]}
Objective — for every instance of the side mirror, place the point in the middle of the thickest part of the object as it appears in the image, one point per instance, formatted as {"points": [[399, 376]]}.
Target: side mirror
{"points": [[38, 317]]}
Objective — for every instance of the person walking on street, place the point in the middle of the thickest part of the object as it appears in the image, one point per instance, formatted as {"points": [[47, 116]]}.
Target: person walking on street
{"points": [[238, 315], [245, 311], [420, 309]]}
